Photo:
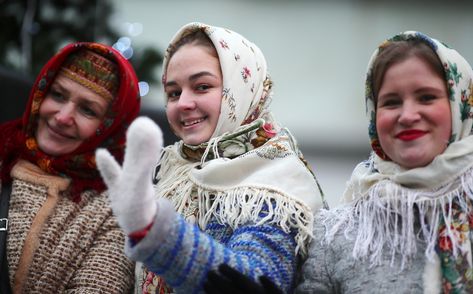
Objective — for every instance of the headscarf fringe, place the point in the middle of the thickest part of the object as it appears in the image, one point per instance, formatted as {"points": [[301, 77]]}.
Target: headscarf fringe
{"points": [[387, 222], [234, 206], [242, 205], [175, 186]]}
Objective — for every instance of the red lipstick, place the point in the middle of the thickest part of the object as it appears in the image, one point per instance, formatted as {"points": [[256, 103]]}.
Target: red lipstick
{"points": [[410, 135]]}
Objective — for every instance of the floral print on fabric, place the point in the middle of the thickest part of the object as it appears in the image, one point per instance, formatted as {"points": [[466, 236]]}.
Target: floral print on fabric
{"points": [[18, 140], [247, 90], [230, 101], [467, 102], [457, 83], [274, 150], [198, 186], [382, 179], [457, 270], [153, 284], [251, 136]]}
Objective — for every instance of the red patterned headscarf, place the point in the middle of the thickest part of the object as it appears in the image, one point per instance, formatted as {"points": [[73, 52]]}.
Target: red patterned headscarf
{"points": [[17, 140]]}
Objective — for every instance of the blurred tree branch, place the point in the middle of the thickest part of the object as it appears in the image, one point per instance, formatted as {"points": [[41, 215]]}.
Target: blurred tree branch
{"points": [[32, 31]]}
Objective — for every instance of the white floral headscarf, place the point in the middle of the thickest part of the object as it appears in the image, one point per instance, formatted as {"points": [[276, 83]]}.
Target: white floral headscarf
{"points": [[459, 85], [387, 200], [249, 163], [446, 166], [244, 69], [242, 167]]}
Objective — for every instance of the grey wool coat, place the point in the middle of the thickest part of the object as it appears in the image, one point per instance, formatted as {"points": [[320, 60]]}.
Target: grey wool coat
{"points": [[331, 268]]}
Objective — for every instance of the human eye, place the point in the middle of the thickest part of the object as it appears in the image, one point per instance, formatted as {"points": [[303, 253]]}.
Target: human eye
{"points": [[389, 102], [56, 95], [427, 98], [88, 111], [91, 110], [202, 87], [173, 95]]}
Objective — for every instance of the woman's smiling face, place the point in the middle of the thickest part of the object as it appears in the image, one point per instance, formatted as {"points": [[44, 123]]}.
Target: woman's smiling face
{"points": [[413, 117], [69, 115], [193, 86]]}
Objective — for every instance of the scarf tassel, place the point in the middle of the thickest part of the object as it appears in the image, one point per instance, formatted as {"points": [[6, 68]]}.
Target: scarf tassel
{"points": [[378, 223], [243, 205]]}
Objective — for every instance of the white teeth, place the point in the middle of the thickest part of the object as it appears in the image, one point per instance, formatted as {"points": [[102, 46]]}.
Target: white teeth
{"points": [[192, 122]]}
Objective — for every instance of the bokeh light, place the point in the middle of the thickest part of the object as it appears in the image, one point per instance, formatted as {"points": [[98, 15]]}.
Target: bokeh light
{"points": [[123, 45], [144, 88]]}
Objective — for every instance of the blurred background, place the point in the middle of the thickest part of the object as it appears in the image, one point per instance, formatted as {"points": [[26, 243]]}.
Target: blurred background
{"points": [[317, 52]]}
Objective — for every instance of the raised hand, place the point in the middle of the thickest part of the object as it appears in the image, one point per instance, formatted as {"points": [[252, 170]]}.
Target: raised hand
{"points": [[130, 188]]}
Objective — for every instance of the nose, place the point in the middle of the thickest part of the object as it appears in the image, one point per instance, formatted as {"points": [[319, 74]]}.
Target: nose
{"points": [[186, 100], [65, 115], [409, 114]]}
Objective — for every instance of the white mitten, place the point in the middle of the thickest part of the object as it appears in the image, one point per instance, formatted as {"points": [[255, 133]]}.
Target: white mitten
{"points": [[130, 188]]}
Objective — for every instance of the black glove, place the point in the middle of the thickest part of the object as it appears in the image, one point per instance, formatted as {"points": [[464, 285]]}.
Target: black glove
{"points": [[231, 281]]}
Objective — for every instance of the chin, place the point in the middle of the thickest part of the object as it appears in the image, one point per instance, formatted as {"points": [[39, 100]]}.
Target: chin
{"points": [[410, 163], [195, 140], [192, 141], [51, 150]]}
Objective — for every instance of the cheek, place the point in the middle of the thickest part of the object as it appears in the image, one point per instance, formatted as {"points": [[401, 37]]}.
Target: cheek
{"points": [[171, 115], [445, 122], [46, 108], [383, 123], [87, 128], [40, 131], [217, 108], [217, 103]]}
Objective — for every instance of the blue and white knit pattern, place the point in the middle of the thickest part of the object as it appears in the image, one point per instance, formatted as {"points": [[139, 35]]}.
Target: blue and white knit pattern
{"points": [[183, 255]]}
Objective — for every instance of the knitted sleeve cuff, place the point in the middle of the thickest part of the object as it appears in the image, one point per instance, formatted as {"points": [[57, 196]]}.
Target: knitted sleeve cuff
{"points": [[137, 236], [144, 241]]}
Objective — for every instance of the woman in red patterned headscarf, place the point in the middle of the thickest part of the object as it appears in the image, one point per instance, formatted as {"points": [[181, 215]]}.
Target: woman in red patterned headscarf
{"points": [[61, 232]]}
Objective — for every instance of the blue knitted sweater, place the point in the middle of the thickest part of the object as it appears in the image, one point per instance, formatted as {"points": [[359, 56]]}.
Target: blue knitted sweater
{"points": [[182, 254]]}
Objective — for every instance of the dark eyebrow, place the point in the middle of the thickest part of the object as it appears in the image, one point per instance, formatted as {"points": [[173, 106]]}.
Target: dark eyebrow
{"points": [[428, 89], [200, 74], [387, 95], [192, 78], [99, 108]]}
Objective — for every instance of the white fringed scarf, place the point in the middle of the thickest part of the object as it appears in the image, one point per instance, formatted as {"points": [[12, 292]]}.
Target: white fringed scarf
{"points": [[249, 165], [384, 203], [270, 179]]}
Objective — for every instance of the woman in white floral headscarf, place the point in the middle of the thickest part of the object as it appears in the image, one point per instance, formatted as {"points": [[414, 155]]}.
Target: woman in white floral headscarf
{"points": [[244, 196], [407, 224]]}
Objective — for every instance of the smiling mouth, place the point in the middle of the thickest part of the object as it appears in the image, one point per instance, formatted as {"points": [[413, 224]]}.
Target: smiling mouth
{"points": [[410, 135], [192, 122], [59, 133]]}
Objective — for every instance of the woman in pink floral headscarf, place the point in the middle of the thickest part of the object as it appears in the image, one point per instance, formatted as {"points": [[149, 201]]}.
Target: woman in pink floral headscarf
{"points": [[234, 190]]}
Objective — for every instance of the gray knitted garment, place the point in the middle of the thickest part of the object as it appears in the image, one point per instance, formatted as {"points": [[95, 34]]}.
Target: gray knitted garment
{"points": [[331, 268]]}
